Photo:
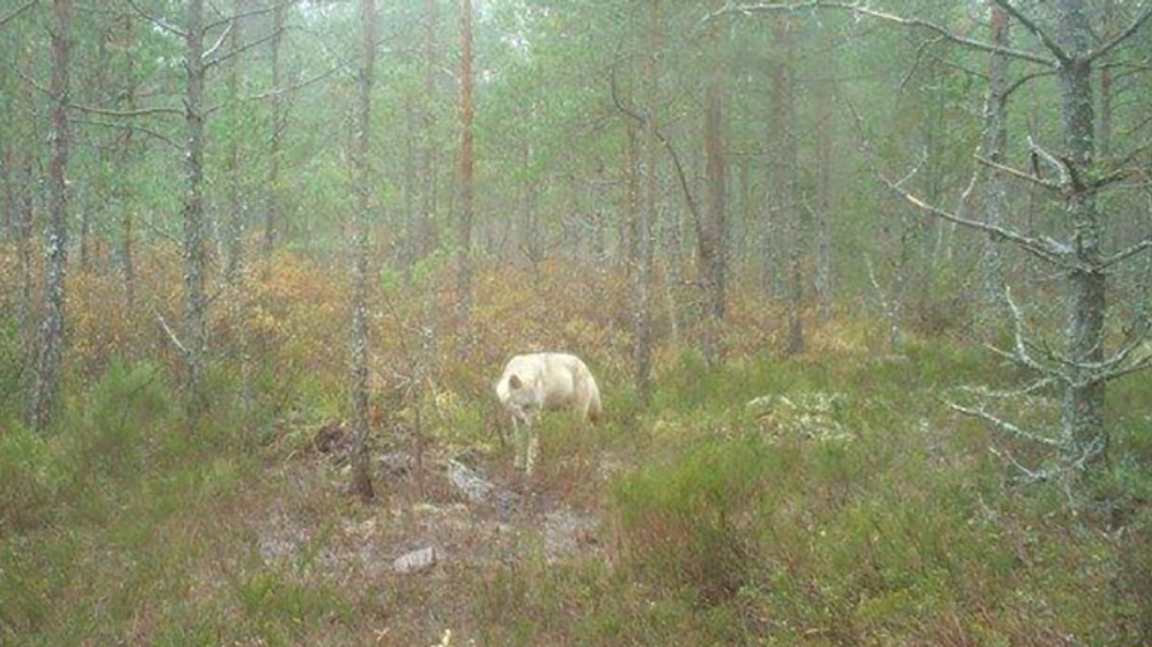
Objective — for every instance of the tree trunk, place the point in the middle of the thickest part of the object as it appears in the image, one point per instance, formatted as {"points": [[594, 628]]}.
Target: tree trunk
{"points": [[794, 235], [824, 91], [1083, 415], [648, 214], [50, 347], [425, 238], [361, 472], [24, 245], [272, 215], [995, 146], [195, 303], [464, 271], [1109, 32], [781, 201], [9, 228], [124, 163], [713, 245], [233, 271], [95, 197]]}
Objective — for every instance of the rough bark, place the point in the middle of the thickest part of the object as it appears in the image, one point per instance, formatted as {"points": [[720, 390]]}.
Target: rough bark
{"points": [[24, 248], [1106, 85], [96, 195], [8, 231], [272, 213], [994, 148], [425, 234], [235, 271], [234, 267], [195, 252], [1083, 415], [361, 472], [642, 323], [824, 90], [124, 162], [781, 143], [51, 339], [712, 247], [467, 163]]}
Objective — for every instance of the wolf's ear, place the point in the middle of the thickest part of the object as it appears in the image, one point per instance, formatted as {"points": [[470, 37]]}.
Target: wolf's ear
{"points": [[514, 382]]}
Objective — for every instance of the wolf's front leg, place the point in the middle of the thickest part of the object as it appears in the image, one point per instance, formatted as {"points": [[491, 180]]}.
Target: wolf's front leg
{"points": [[533, 451], [520, 431]]}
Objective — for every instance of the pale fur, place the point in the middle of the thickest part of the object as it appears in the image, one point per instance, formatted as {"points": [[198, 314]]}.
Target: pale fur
{"points": [[549, 381], [546, 381]]}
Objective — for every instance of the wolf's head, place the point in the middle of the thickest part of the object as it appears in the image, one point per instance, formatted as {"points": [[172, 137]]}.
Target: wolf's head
{"points": [[521, 399]]}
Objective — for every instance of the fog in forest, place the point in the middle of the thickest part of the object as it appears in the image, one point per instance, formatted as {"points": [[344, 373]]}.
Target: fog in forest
{"points": [[575, 322]]}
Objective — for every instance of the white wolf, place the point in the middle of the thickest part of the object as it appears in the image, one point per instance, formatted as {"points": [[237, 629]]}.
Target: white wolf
{"points": [[532, 383]]}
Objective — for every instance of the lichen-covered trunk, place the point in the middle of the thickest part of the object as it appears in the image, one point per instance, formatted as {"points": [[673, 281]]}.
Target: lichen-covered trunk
{"points": [[272, 211], [713, 244], [195, 253], [361, 473], [994, 146], [822, 283], [464, 269], [24, 244], [647, 216], [124, 163], [50, 343], [1083, 414], [233, 269], [1106, 84], [789, 194], [779, 204], [424, 235]]}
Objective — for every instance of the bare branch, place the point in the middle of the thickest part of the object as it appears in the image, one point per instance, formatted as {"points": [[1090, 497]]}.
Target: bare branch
{"points": [[919, 57], [172, 335], [697, 222], [1140, 21], [132, 128], [1016, 173], [1025, 79], [1128, 253], [139, 112], [16, 14], [1033, 27], [248, 14], [219, 42], [163, 25], [1007, 427], [247, 46], [281, 91], [1042, 248], [863, 10], [1062, 169]]}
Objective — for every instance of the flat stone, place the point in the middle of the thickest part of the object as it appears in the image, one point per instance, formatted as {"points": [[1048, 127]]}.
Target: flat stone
{"points": [[416, 561], [473, 486]]}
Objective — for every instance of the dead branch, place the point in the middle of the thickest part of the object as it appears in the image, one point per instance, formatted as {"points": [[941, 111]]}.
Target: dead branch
{"points": [[16, 14], [1122, 36], [1033, 27], [861, 9]]}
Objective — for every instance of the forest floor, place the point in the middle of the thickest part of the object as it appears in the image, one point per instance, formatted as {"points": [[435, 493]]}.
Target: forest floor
{"points": [[450, 520], [829, 500]]}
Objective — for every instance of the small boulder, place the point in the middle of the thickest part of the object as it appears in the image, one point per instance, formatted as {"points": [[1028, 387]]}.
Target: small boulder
{"points": [[416, 561], [469, 482]]}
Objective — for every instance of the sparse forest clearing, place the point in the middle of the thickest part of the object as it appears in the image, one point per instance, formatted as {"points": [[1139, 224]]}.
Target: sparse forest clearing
{"points": [[849, 306]]}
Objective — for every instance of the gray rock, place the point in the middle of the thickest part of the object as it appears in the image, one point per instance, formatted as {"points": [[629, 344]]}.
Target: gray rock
{"points": [[473, 486], [416, 561], [396, 464]]}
